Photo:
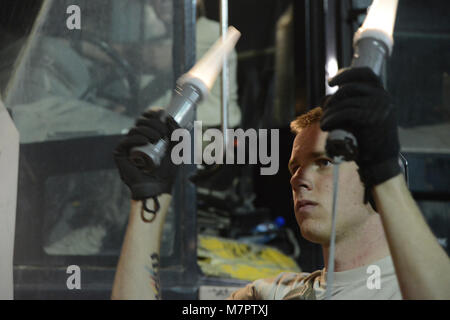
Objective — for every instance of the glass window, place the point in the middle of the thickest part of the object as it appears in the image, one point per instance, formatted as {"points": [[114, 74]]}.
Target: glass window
{"points": [[72, 91]]}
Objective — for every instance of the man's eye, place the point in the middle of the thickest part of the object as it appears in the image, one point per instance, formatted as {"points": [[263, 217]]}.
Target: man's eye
{"points": [[323, 163]]}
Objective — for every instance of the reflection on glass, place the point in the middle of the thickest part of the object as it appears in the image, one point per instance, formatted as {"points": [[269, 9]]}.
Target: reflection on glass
{"points": [[93, 81]]}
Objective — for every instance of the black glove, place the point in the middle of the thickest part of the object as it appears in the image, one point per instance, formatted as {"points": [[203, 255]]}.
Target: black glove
{"points": [[363, 107], [149, 129]]}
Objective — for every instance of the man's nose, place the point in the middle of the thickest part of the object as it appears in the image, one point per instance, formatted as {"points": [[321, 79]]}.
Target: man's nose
{"points": [[301, 179]]}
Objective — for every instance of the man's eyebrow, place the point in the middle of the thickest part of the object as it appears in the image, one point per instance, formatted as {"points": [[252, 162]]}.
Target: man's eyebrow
{"points": [[317, 154], [290, 164]]}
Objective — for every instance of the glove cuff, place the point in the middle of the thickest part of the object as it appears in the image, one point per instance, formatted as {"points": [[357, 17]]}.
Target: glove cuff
{"points": [[147, 190], [375, 174]]}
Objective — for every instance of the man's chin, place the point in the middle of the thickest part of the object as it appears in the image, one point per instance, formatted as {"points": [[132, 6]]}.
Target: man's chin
{"points": [[314, 232]]}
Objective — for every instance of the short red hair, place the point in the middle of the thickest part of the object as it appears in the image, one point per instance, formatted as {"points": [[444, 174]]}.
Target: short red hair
{"points": [[307, 119]]}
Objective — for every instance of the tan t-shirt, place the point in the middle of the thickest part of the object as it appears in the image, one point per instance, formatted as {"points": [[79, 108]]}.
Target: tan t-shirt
{"points": [[376, 281]]}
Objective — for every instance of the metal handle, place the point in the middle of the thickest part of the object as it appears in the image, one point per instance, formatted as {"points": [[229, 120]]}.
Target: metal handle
{"points": [[372, 53], [150, 155], [181, 109]]}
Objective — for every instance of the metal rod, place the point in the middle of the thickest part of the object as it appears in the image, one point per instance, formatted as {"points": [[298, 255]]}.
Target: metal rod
{"points": [[224, 89]]}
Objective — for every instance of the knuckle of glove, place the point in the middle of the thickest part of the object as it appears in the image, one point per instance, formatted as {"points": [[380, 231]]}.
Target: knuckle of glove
{"points": [[154, 113], [357, 75], [159, 121], [148, 133], [154, 124]]}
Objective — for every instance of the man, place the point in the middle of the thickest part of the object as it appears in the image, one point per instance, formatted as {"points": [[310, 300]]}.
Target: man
{"points": [[394, 240]]}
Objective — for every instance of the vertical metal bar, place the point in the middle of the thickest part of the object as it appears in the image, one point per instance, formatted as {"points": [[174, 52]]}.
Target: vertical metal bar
{"points": [[184, 199], [224, 89], [316, 63]]}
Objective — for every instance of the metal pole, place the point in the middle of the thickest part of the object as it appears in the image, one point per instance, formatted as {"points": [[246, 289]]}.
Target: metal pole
{"points": [[224, 89]]}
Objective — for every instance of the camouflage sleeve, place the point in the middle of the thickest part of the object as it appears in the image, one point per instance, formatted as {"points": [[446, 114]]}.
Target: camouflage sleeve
{"points": [[271, 288], [246, 293]]}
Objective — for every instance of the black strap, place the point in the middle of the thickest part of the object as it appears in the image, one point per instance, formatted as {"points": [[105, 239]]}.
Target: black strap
{"points": [[152, 212]]}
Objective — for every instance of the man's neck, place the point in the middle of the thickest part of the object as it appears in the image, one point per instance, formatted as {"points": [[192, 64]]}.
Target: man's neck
{"points": [[359, 249]]}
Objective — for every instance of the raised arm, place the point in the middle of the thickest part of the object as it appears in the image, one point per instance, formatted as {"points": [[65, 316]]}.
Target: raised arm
{"points": [[421, 264], [363, 106], [137, 274]]}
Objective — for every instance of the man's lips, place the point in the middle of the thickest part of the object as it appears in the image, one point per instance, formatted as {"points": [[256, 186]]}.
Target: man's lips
{"points": [[303, 205]]}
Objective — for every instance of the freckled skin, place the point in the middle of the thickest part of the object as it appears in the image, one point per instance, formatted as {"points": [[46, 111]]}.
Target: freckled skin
{"points": [[311, 182]]}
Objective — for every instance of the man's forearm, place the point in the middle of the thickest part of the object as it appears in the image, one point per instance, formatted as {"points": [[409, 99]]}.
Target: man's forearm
{"points": [[137, 274], [422, 266]]}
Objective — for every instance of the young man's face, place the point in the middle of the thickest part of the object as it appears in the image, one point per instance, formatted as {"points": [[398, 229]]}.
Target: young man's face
{"points": [[312, 188]]}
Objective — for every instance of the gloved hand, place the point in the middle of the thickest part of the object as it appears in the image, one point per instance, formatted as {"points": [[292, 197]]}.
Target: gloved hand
{"points": [[363, 107], [148, 128]]}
